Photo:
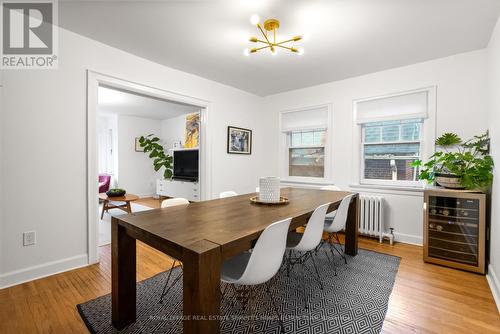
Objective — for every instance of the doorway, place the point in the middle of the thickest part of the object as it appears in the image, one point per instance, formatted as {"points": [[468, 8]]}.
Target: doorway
{"points": [[118, 112]]}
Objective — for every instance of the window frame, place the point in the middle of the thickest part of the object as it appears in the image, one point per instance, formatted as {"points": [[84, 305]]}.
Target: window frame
{"points": [[323, 146], [427, 138], [366, 181], [285, 146]]}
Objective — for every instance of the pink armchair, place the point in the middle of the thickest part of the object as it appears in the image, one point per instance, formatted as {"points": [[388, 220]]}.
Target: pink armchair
{"points": [[104, 181]]}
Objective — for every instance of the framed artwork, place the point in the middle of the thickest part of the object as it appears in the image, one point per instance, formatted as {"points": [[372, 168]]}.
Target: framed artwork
{"points": [[239, 141], [192, 130], [138, 147]]}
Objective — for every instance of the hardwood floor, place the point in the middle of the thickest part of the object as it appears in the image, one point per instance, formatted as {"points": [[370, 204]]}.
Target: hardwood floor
{"points": [[426, 298]]}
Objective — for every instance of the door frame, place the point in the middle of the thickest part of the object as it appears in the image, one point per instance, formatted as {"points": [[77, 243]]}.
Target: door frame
{"points": [[96, 79]]}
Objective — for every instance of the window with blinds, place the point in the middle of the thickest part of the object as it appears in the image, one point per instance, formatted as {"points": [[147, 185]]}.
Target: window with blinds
{"points": [[305, 133], [391, 137]]}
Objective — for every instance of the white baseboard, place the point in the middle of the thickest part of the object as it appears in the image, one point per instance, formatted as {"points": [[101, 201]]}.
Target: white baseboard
{"points": [[494, 285], [408, 239], [42, 270]]}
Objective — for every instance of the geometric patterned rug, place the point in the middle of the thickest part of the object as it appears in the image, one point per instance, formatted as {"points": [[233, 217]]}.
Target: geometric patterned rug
{"points": [[354, 301]]}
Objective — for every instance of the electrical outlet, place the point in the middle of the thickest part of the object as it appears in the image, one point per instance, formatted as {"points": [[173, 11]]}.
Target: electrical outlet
{"points": [[29, 238]]}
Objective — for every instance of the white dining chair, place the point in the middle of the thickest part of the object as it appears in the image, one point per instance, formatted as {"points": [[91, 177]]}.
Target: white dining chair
{"points": [[305, 245], [336, 225], [258, 267], [331, 215], [228, 193], [174, 202], [167, 287]]}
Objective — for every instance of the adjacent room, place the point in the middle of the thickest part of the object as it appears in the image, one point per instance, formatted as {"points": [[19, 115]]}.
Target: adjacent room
{"points": [[250, 166], [124, 164]]}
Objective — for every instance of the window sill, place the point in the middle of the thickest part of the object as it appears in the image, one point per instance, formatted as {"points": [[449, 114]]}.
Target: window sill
{"points": [[389, 189], [311, 182]]}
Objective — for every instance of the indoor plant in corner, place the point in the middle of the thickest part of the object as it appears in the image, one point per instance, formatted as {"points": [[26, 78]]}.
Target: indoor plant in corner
{"points": [[459, 165], [151, 145]]}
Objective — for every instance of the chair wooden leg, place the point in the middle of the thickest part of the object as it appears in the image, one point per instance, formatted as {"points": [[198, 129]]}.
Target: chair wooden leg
{"points": [[104, 207]]}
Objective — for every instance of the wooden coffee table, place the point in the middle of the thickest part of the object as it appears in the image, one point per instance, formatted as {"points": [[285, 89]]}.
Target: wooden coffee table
{"points": [[106, 205]]}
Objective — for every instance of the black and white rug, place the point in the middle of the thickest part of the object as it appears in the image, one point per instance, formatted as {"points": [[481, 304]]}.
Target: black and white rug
{"points": [[354, 301]]}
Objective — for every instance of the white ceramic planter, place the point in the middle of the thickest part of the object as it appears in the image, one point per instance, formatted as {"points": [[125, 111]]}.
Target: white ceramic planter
{"points": [[269, 189]]}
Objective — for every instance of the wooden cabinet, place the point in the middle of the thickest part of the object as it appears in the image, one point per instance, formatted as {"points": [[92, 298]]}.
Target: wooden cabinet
{"points": [[455, 229]]}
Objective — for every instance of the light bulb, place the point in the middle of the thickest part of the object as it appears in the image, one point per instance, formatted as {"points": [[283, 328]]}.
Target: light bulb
{"points": [[254, 19], [300, 52], [246, 52], [274, 52]]}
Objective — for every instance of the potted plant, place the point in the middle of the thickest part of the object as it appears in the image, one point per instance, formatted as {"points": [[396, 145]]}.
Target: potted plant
{"points": [[459, 165], [151, 145]]}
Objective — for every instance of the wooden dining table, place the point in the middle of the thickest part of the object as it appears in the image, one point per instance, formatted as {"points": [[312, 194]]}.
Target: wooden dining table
{"points": [[202, 235]]}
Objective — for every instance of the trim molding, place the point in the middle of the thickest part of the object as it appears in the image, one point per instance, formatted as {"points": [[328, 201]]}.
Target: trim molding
{"points": [[408, 239], [494, 283], [42, 270]]}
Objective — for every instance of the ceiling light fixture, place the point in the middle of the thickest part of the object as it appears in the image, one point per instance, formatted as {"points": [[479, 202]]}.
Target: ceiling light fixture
{"points": [[269, 41]]}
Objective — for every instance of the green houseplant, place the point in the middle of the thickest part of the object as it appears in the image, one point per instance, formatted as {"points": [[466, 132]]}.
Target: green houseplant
{"points": [[151, 145], [459, 164]]}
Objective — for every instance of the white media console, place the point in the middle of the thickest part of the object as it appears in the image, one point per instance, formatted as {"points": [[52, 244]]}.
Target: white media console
{"points": [[178, 188]]}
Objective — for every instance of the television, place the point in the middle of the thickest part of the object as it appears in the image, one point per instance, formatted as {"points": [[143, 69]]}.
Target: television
{"points": [[186, 165]]}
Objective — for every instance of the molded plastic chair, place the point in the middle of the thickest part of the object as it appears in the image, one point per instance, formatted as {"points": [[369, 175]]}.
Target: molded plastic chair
{"points": [[306, 243], [338, 224], [262, 264], [228, 193], [166, 204], [329, 216], [173, 202]]}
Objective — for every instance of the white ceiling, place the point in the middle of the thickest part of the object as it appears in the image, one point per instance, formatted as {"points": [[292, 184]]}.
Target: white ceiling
{"points": [[117, 102], [345, 38]]}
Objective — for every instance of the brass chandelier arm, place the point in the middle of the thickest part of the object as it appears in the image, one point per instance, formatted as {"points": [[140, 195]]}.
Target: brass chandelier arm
{"points": [[261, 48], [285, 47], [287, 41], [261, 41], [263, 33]]}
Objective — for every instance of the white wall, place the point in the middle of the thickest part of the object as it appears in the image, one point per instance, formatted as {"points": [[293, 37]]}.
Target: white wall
{"points": [[461, 108], [106, 123], [45, 111], [135, 169], [494, 121]]}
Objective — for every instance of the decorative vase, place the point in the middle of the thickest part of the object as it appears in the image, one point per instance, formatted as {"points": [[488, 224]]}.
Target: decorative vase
{"points": [[269, 189]]}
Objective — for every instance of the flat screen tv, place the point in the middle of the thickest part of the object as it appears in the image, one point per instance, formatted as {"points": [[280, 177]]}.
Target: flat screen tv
{"points": [[186, 165]]}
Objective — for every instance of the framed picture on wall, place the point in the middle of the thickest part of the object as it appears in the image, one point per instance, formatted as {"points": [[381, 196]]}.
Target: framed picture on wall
{"points": [[138, 147], [239, 140]]}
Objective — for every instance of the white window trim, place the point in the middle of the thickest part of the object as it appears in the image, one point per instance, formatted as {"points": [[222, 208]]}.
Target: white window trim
{"points": [[283, 142], [427, 148]]}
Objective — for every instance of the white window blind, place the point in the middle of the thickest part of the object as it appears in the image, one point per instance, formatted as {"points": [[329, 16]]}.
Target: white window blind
{"points": [[311, 119], [400, 107]]}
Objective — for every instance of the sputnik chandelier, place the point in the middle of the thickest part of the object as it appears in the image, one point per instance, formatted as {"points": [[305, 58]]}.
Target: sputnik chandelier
{"points": [[269, 41]]}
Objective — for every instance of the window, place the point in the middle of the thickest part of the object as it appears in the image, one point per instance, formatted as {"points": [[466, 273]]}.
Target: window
{"points": [[393, 130], [390, 148], [304, 145], [306, 153]]}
